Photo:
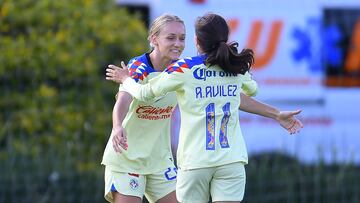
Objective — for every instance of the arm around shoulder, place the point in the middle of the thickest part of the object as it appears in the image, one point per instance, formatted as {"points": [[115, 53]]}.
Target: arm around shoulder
{"points": [[139, 91]]}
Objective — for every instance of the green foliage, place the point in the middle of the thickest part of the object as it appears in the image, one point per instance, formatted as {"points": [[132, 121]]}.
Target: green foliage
{"points": [[54, 100], [273, 178]]}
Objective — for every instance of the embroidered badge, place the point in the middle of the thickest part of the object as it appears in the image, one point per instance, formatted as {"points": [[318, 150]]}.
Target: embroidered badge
{"points": [[134, 184]]}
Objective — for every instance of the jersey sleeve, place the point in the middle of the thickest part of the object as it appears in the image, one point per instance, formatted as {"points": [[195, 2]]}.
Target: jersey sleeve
{"points": [[160, 85], [249, 86], [121, 88], [140, 92]]}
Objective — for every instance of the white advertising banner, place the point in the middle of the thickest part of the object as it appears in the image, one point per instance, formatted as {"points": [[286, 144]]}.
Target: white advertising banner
{"points": [[286, 41]]}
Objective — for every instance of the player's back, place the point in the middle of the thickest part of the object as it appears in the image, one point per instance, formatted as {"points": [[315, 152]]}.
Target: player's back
{"points": [[208, 99]]}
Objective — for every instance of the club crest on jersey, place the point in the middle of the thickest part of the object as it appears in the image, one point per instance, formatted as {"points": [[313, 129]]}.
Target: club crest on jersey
{"points": [[134, 184]]}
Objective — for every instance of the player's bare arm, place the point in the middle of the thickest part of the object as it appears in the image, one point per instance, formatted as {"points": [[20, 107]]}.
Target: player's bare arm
{"points": [[286, 119]]}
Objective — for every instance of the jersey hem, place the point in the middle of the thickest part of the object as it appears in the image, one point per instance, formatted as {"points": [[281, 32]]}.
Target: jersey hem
{"points": [[129, 170], [210, 166]]}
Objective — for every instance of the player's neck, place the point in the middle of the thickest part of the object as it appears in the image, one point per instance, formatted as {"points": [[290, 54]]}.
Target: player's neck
{"points": [[159, 62]]}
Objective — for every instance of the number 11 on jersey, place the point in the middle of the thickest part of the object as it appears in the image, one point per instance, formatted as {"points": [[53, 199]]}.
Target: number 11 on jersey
{"points": [[210, 126]]}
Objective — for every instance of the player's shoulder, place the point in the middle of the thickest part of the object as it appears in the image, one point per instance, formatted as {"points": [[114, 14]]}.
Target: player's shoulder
{"points": [[185, 63], [139, 67]]}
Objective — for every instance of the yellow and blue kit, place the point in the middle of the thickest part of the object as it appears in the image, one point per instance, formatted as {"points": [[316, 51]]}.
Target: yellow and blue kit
{"points": [[208, 99]]}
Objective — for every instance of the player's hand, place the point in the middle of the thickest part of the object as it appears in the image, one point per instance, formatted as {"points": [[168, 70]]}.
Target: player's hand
{"points": [[119, 139], [288, 121], [117, 74]]}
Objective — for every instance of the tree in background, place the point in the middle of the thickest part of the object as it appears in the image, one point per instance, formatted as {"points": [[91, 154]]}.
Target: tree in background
{"points": [[55, 103]]}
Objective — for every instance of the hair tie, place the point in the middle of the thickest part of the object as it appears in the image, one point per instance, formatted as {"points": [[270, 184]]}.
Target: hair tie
{"points": [[215, 46]]}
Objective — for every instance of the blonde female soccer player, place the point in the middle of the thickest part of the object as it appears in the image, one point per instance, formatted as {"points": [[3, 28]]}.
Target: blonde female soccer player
{"points": [[147, 167]]}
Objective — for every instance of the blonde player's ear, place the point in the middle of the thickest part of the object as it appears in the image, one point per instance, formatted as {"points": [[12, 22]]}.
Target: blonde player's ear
{"points": [[153, 41]]}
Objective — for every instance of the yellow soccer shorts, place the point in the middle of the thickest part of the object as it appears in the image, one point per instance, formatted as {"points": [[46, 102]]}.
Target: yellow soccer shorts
{"points": [[153, 186], [224, 183]]}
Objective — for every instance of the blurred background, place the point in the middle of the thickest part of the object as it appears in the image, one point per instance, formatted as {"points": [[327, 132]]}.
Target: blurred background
{"points": [[56, 105]]}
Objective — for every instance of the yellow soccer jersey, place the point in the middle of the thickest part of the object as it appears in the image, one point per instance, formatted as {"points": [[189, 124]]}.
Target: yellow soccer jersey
{"points": [[148, 128], [208, 99]]}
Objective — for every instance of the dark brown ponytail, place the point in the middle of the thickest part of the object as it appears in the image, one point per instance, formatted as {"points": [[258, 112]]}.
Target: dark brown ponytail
{"points": [[212, 34]]}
